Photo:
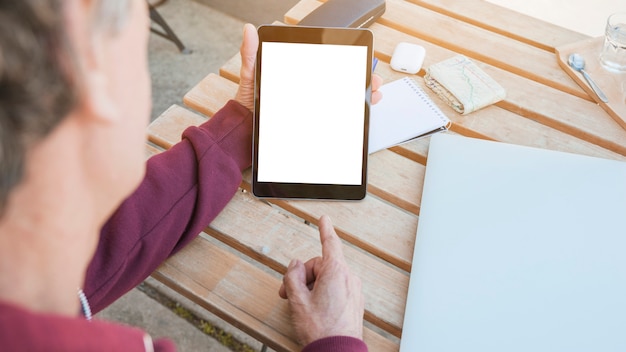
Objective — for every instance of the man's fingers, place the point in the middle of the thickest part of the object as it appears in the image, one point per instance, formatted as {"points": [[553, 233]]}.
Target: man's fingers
{"points": [[282, 291], [311, 267], [376, 97], [307, 273], [294, 282], [377, 82], [331, 244]]}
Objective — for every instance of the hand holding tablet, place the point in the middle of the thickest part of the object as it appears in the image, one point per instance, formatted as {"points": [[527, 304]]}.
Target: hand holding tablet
{"points": [[312, 102]]}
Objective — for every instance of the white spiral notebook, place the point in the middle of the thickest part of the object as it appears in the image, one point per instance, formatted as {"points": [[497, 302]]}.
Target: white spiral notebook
{"points": [[405, 113]]}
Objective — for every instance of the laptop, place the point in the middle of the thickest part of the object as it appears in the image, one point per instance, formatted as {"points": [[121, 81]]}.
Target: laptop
{"points": [[517, 249]]}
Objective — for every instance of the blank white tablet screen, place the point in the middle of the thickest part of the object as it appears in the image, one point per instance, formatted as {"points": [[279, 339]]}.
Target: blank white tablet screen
{"points": [[312, 110]]}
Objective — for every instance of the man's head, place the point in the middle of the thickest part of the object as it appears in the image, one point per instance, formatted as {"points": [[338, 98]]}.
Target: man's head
{"points": [[79, 58]]}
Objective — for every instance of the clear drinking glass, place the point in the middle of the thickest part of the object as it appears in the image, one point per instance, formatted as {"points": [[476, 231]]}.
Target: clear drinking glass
{"points": [[613, 55]]}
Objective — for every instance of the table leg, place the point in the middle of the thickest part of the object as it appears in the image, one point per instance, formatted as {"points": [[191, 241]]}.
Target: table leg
{"points": [[169, 33]]}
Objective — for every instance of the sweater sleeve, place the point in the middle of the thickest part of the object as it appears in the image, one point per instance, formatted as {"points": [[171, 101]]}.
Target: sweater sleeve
{"points": [[336, 344], [183, 190]]}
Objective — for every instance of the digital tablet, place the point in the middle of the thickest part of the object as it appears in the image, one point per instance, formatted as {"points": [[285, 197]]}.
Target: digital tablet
{"points": [[312, 105]]}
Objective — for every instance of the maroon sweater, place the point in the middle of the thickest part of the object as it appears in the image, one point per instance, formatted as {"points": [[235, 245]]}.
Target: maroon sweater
{"points": [[184, 189]]}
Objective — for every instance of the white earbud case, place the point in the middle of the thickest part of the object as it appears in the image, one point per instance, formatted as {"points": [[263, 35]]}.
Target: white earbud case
{"points": [[408, 58]]}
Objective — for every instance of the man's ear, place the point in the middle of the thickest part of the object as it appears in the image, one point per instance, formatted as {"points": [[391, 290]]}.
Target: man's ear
{"points": [[96, 96], [90, 47]]}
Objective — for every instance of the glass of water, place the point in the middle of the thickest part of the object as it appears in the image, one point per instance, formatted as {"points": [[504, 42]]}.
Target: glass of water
{"points": [[613, 55]]}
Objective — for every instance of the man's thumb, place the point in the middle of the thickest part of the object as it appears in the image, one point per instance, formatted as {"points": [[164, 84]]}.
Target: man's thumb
{"points": [[248, 50]]}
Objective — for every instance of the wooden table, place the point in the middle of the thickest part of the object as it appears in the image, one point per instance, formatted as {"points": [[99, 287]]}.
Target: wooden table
{"points": [[234, 269]]}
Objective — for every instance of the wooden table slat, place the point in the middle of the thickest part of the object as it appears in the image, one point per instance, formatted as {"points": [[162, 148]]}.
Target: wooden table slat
{"points": [[274, 239], [300, 10], [151, 150], [396, 179], [507, 22], [167, 129], [240, 293], [205, 274], [205, 99]]}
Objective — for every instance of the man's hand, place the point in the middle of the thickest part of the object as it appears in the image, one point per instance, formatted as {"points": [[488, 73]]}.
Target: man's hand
{"points": [[248, 51], [325, 298]]}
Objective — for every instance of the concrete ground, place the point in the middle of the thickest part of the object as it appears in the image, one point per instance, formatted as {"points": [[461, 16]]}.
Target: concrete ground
{"points": [[212, 29]]}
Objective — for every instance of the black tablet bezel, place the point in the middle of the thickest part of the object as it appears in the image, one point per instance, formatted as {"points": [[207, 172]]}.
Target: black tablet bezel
{"points": [[312, 35]]}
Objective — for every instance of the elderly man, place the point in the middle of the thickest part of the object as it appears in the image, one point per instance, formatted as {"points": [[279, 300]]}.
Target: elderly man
{"points": [[79, 207]]}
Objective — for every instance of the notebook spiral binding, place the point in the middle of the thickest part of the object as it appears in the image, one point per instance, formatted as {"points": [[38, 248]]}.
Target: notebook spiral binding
{"points": [[422, 94]]}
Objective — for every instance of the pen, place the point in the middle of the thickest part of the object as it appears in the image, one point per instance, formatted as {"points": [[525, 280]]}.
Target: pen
{"points": [[374, 64]]}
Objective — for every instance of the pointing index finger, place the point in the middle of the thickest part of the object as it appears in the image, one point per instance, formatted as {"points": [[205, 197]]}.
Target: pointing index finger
{"points": [[331, 244]]}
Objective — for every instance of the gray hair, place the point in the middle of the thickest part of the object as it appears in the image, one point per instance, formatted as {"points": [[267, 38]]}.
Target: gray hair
{"points": [[38, 76], [111, 15]]}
